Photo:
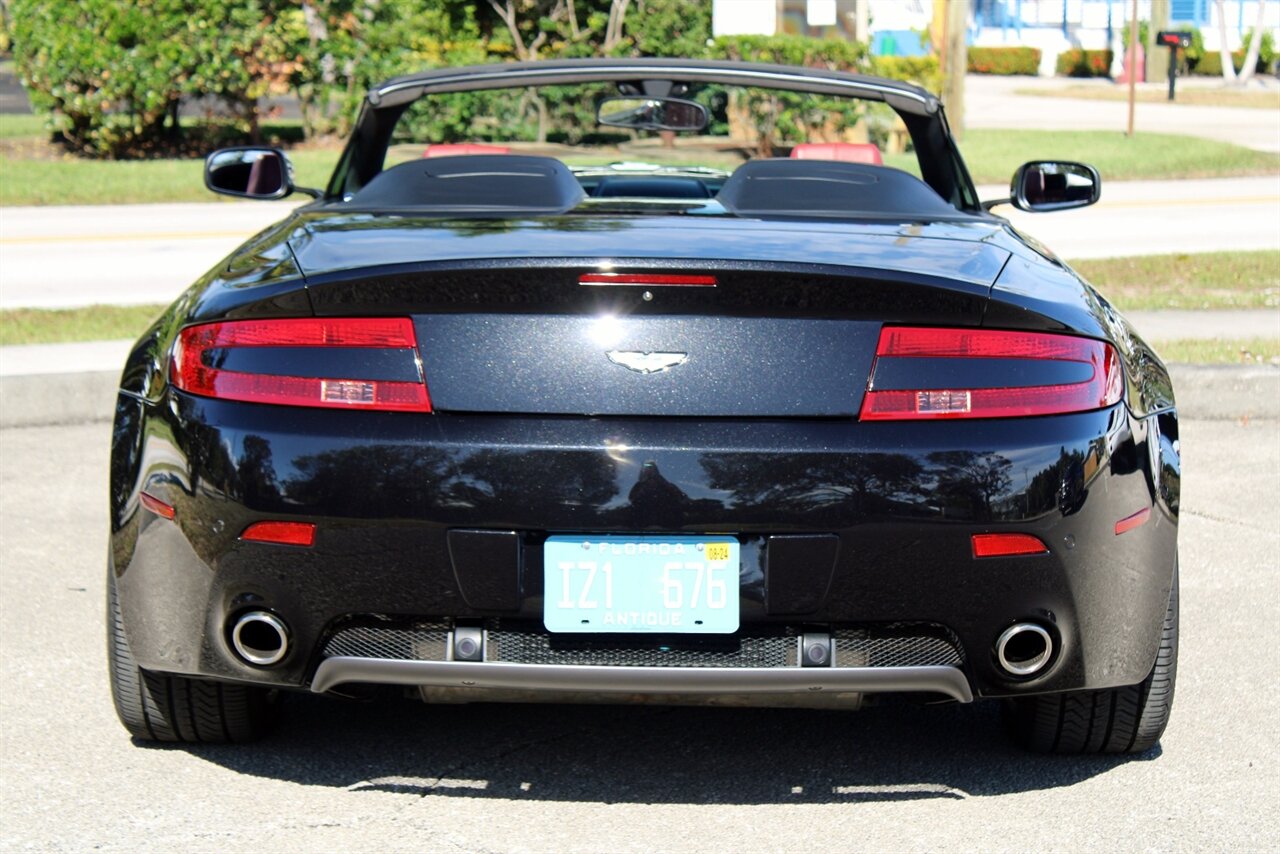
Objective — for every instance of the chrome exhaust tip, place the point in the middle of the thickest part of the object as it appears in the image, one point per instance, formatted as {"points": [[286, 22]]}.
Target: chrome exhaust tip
{"points": [[260, 637], [1024, 649]]}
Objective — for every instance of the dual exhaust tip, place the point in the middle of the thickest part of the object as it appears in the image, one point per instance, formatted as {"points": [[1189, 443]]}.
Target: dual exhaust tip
{"points": [[1024, 649], [260, 638]]}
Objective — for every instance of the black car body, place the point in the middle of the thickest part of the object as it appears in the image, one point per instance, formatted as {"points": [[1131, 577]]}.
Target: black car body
{"points": [[948, 467]]}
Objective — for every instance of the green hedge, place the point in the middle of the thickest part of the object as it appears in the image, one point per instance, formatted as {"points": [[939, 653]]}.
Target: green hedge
{"points": [[111, 73], [1210, 64], [1085, 63], [1004, 60], [920, 70]]}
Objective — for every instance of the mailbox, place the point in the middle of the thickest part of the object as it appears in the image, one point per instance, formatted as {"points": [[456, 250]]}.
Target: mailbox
{"points": [[1173, 39]]}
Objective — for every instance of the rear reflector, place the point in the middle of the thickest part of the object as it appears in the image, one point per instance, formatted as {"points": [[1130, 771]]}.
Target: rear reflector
{"points": [[1009, 385], [1128, 523], [1006, 545], [655, 280], [281, 533], [341, 345], [156, 506]]}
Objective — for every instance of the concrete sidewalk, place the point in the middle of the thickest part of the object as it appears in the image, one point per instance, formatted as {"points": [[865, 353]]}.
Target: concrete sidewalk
{"points": [[991, 102]]}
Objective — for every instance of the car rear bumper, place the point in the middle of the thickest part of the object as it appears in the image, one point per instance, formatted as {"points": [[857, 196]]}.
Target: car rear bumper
{"points": [[600, 679], [842, 526]]}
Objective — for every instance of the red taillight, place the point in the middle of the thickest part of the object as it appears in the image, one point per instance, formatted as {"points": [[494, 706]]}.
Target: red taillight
{"points": [[657, 280], [926, 400], [200, 354], [1007, 545], [281, 533]]}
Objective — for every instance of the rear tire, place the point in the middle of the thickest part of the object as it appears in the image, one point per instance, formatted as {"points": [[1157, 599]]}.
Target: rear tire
{"points": [[158, 707], [1118, 720]]}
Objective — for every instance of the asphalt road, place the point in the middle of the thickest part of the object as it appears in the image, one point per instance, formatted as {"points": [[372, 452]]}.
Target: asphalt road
{"points": [[400, 776], [67, 256]]}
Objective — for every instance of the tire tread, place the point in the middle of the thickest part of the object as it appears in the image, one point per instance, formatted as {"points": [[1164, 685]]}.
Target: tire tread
{"points": [[160, 707], [1117, 720]]}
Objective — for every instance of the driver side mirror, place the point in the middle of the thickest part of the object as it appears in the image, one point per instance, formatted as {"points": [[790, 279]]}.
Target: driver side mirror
{"points": [[249, 173], [1054, 185]]}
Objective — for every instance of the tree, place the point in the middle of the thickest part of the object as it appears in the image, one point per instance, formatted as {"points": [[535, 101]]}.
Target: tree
{"points": [[1255, 44], [1228, 68], [345, 46]]}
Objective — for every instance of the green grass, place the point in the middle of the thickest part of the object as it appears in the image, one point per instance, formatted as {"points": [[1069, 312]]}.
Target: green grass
{"points": [[91, 323], [102, 182], [1188, 281], [18, 125], [993, 155], [1221, 351]]}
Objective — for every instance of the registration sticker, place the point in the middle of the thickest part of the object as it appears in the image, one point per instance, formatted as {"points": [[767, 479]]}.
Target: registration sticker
{"points": [[618, 584]]}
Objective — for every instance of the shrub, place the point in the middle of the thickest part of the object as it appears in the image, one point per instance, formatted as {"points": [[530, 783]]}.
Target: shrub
{"points": [[1210, 63], [1004, 60], [1085, 63], [112, 72], [923, 71]]}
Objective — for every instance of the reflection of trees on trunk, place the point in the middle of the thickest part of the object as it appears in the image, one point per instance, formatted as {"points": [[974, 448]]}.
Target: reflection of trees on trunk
{"points": [[507, 481], [255, 474], [976, 478], [369, 480], [866, 482]]}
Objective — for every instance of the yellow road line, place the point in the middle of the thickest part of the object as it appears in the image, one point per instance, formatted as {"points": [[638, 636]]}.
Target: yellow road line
{"points": [[219, 235]]}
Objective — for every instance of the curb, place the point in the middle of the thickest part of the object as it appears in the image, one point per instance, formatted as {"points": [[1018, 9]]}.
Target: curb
{"points": [[1205, 392], [42, 400]]}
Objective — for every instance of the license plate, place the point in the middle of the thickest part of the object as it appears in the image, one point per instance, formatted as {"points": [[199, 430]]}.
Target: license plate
{"points": [[677, 585]]}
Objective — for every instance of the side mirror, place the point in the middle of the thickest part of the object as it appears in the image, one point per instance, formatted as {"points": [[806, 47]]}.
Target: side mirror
{"points": [[652, 113], [1054, 185], [248, 172]]}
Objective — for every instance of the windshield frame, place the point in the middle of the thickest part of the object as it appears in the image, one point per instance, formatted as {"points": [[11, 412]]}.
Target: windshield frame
{"points": [[941, 166]]}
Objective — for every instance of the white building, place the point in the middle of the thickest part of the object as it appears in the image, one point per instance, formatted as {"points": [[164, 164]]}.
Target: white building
{"points": [[894, 26]]}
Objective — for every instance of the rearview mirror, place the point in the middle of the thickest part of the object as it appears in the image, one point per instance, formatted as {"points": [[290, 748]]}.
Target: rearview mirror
{"points": [[652, 114], [249, 173], [1054, 185]]}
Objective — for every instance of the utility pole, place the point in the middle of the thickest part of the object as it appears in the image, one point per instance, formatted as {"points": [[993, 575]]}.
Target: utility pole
{"points": [[1157, 56], [1133, 63], [954, 62]]}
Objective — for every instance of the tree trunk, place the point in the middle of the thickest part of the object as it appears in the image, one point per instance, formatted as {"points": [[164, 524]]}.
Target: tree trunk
{"points": [[1228, 69], [1255, 44]]}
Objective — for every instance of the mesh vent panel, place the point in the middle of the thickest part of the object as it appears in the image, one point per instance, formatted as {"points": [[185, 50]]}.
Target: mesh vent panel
{"points": [[537, 647], [418, 642], [892, 646]]}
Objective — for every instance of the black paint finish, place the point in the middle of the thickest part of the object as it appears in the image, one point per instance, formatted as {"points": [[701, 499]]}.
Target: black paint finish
{"points": [[646, 366]]}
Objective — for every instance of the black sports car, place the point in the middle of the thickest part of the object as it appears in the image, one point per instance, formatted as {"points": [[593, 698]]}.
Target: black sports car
{"points": [[557, 391]]}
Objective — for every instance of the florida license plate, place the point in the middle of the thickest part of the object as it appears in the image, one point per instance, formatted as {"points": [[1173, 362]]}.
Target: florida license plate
{"points": [[678, 585]]}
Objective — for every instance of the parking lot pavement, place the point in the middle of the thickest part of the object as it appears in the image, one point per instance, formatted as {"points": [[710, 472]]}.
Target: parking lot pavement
{"points": [[397, 775]]}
